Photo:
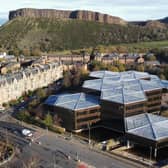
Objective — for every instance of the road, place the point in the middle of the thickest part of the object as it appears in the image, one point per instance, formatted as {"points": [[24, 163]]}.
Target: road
{"points": [[27, 151], [81, 151], [55, 148]]}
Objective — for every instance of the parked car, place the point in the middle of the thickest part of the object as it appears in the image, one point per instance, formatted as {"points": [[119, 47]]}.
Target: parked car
{"points": [[27, 133]]}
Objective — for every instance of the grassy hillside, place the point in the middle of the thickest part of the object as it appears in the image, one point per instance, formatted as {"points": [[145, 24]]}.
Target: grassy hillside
{"points": [[52, 34]]}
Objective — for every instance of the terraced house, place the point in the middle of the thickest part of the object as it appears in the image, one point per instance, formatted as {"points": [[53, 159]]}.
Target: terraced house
{"points": [[13, 85]]}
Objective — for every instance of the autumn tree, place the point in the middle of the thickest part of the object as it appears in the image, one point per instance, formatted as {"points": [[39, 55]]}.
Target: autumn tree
{"points": [[67, 79], [57, 120]]}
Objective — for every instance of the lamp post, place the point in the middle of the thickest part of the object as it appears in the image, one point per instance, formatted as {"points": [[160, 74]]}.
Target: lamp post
{"points": [[89, 134], [150, 164]]}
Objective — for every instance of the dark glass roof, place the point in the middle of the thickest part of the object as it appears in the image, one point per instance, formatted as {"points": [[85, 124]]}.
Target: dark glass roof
{"points": [[148, 126], [131, 84], [123, 95], [73, 101], [122, 75], [165, 84]]}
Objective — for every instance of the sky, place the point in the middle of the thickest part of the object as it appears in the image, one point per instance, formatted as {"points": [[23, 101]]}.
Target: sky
{"points": [[130, 10]]}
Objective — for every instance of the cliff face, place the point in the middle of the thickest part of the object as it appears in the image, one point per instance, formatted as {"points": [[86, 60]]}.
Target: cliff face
{"points": [[61, 14], [156, 24]]}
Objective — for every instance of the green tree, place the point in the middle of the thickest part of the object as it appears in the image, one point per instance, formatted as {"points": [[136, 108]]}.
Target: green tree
{"points": [[41, 93], [23, 115], [48, 121]]}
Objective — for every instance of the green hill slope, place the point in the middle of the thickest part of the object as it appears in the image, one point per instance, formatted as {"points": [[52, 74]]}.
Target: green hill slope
{"points": [[53, 34]]}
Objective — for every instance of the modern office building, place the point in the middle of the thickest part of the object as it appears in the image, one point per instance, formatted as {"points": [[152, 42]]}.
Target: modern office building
{"points": [[123, 102], [151, 85], [77, 111], [124, 94], [116, 104], [147, 130]]}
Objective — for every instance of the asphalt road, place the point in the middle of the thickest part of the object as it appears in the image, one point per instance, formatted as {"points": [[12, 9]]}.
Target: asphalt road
{"points": [[27, 151], [76, 150], [55, 149]]}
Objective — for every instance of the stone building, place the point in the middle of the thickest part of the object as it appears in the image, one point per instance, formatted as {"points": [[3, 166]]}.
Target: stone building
{"points": [[13, 85]]}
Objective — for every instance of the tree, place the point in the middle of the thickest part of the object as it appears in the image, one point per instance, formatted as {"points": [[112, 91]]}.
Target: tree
{"points": [[41, 93], [151, 58], [48, 120], [166, 72], [83, 53], [23, 115], [113, 68], [67, 79], [57, 120], [93, 54], [140, 68], [76, 78], [121, 67], [36, 52], [162, 77], [26, 52]]}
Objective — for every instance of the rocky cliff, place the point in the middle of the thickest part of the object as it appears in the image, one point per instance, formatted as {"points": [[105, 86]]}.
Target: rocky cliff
{"points": [[61, 14]]}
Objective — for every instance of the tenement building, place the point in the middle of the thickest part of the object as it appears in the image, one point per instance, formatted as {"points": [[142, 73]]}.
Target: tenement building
{"points": [[13, 85]]}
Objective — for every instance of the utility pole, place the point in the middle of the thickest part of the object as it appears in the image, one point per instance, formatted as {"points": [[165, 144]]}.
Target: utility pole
{"points": [[150, 164], [47, 130], [89, 134], [54, 159], [6, 137]]}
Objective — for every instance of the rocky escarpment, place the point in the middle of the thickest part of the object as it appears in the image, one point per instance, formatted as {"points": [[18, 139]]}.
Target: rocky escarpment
{"points": [[61, 14]]}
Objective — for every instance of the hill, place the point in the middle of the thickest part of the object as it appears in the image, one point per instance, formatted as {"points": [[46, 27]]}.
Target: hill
{"points": [[156, 24], [66, 14], [51, 34], [164, 20]]}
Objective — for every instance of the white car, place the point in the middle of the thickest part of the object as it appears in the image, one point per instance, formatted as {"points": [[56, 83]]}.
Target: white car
{"points": [[27, 133]]}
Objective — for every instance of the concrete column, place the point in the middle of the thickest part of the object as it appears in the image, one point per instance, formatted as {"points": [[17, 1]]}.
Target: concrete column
{"points": [[128, 144], [155, 153]]}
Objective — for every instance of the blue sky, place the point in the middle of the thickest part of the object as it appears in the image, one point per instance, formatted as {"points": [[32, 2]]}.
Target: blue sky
{"points": [[126, 9]]}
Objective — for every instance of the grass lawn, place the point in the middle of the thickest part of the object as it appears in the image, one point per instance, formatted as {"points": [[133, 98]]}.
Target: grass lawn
{"points": [[132, 47]]}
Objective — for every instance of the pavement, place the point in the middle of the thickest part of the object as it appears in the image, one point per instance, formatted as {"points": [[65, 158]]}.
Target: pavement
{"points": [[26, 152], [84, 153], [55, 150]]}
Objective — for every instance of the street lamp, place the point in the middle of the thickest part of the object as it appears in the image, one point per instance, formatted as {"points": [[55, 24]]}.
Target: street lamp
{"points": [[89, 140], [150, 164]]}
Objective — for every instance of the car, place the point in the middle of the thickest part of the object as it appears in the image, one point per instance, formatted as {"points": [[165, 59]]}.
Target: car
{"points": [[27, 133]]}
